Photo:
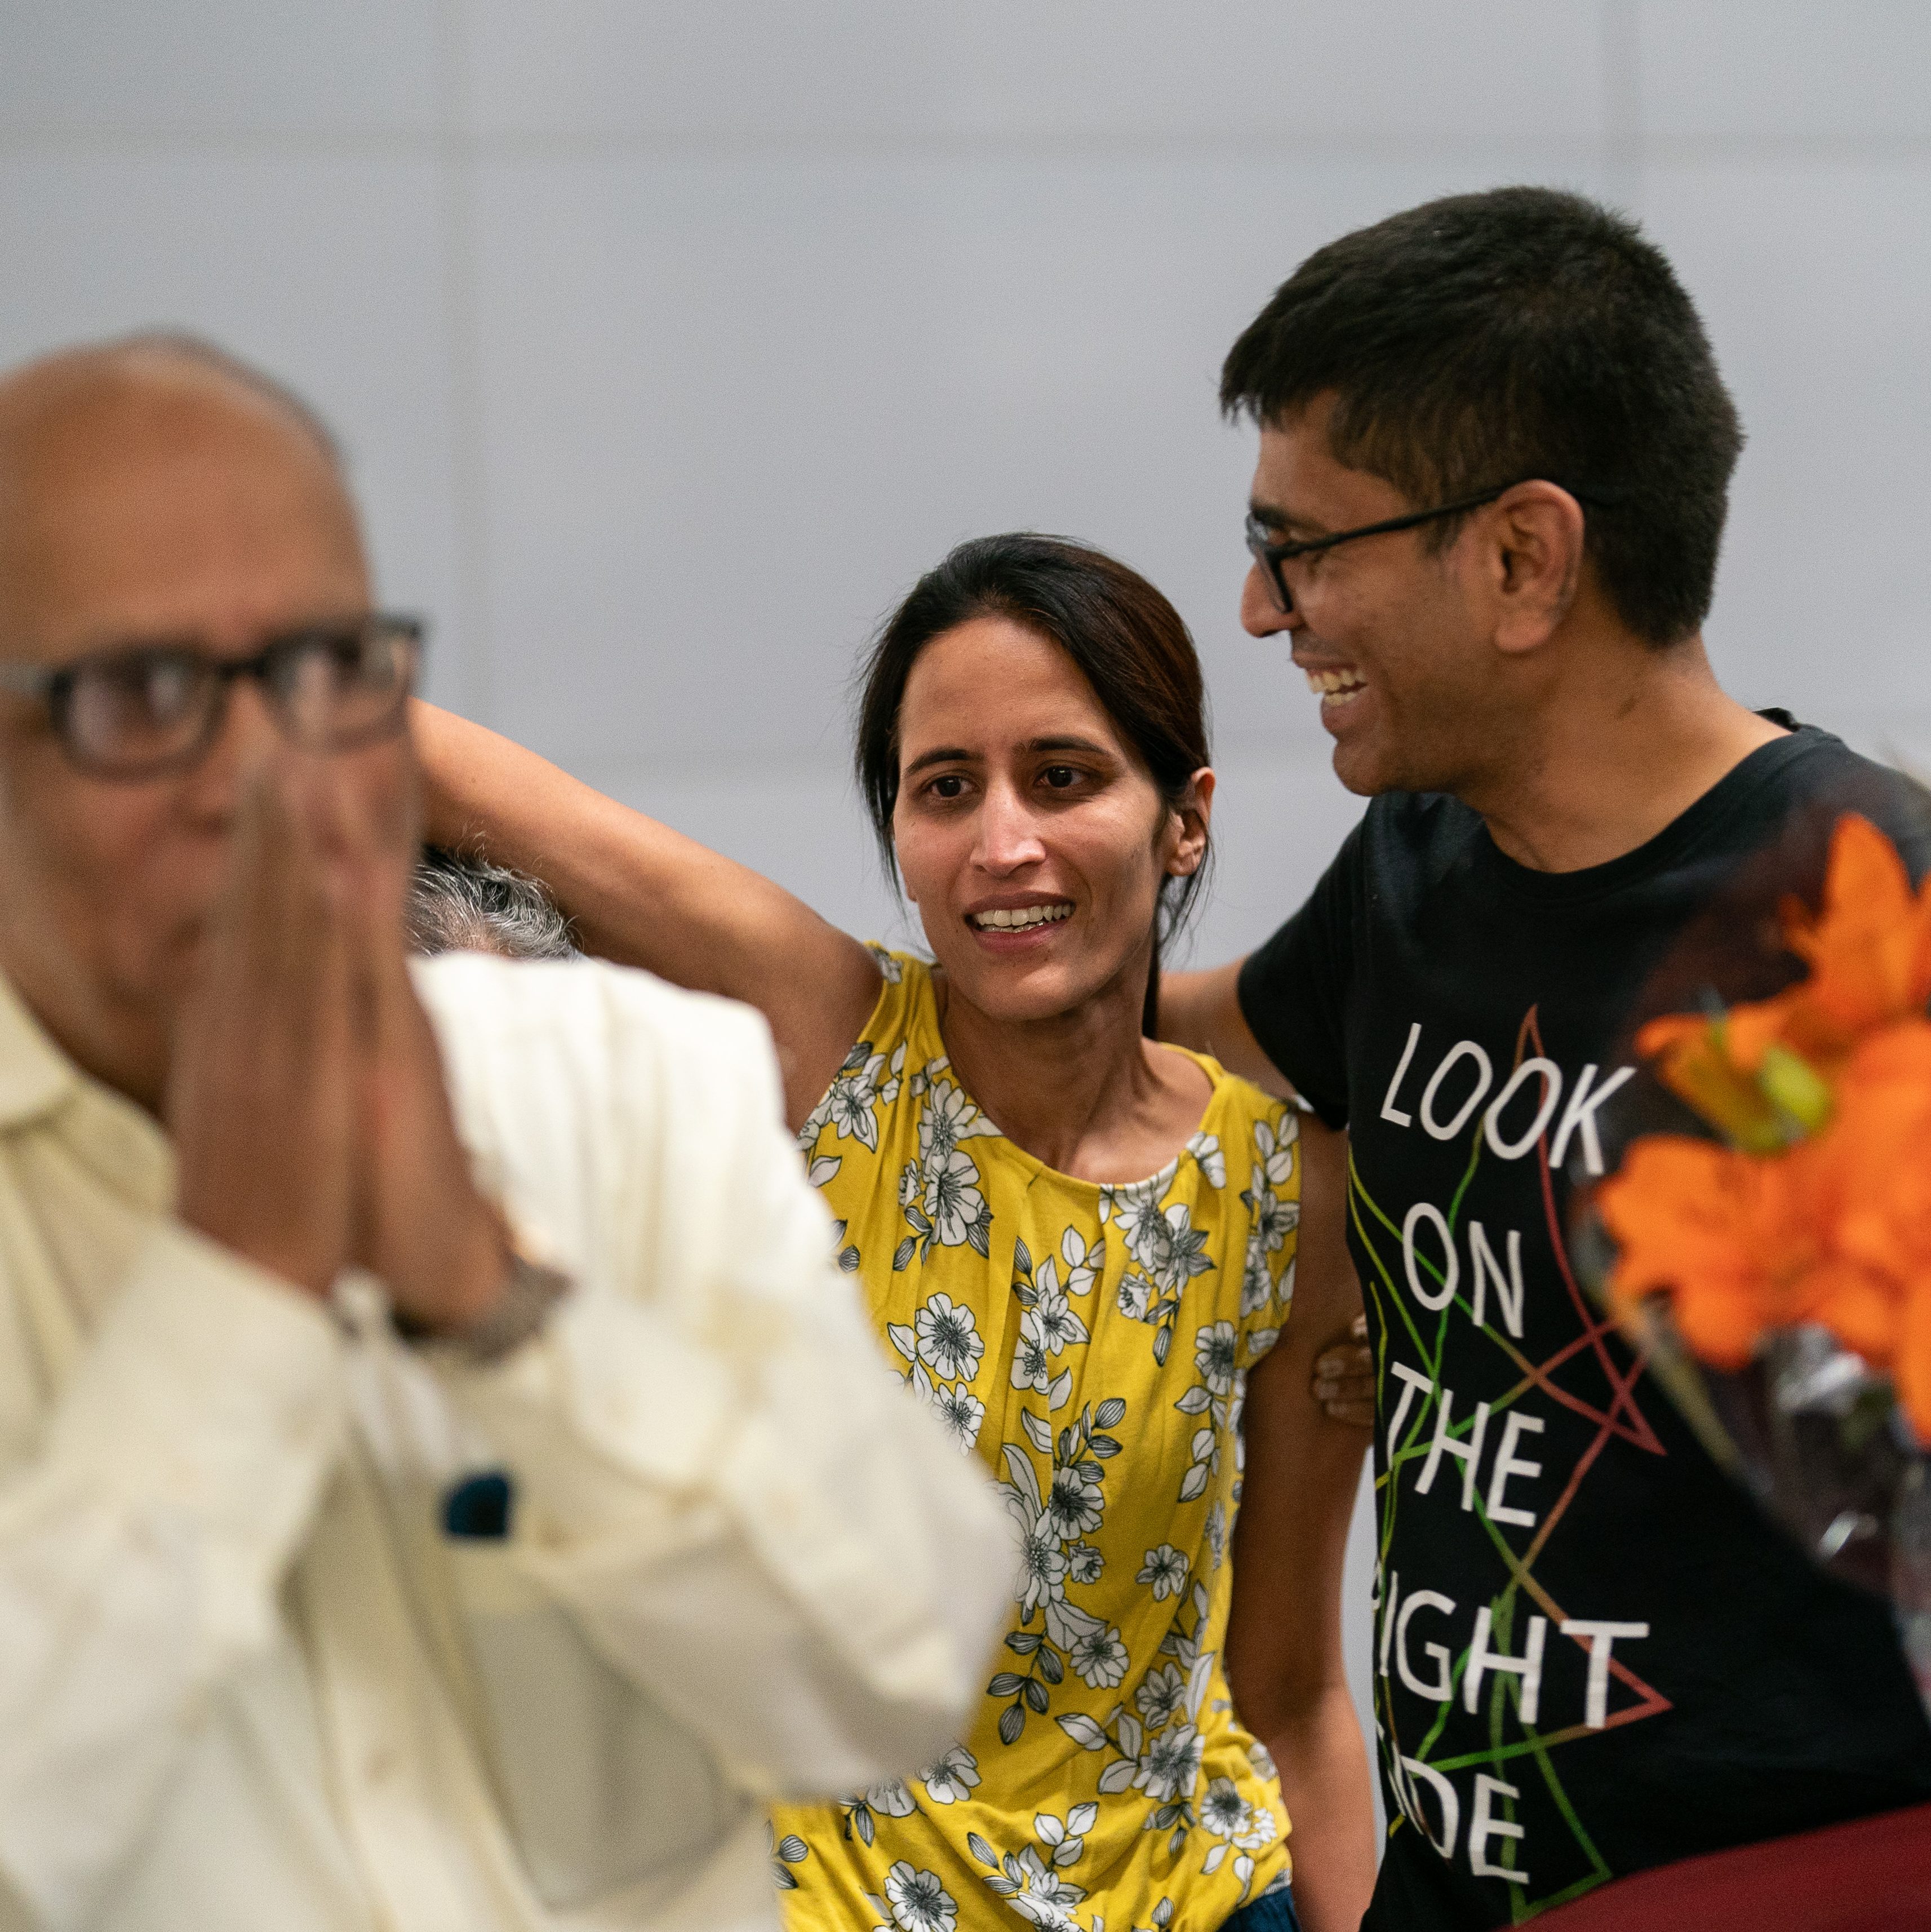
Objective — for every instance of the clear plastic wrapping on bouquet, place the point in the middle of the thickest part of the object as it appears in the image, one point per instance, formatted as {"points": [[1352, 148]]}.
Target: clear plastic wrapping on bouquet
{"points": [[1819, 1440]]}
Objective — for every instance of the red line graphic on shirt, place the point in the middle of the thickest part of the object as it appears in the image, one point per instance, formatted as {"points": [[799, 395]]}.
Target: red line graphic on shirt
{"points": [[1528, 1752]]}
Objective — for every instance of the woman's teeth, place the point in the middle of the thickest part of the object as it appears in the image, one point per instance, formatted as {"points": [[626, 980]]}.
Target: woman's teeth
{"points": [[1336, 687], [1021, 917]]}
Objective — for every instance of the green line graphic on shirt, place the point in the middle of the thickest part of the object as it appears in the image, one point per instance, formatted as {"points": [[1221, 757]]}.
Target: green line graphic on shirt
{"points": [[1533, 1746]]}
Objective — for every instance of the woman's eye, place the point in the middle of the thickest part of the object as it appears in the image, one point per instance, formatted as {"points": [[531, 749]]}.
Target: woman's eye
{"points": [[951, 786], [1061, 776]]}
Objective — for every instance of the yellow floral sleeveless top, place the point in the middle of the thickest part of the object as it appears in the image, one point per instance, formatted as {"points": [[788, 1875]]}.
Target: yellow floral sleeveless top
{"points": [[1092, 1345]]}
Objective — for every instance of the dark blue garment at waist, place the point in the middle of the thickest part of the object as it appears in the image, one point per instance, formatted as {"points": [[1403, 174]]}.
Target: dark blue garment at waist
{"points": [[1273, 1913]]}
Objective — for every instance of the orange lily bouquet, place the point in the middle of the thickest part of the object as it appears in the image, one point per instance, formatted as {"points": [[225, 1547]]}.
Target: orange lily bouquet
{"points": [[1779, 1274]]}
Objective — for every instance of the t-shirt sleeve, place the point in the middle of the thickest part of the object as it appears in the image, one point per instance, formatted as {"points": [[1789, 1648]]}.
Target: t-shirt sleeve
{"points": [[1900, 808], [1294, 990]]}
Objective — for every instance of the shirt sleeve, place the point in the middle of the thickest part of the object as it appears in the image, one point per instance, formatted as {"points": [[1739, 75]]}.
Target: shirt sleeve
{"points": [[1294, 990], [716, 1473], [141, 1551]]}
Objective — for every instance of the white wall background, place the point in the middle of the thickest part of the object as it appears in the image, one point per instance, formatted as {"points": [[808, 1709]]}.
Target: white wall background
{"points": [[670, 342]]}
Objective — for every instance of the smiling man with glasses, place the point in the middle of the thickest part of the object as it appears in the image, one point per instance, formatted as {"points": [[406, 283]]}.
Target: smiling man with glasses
{"points": [[445, 1479], [1494, 458]]}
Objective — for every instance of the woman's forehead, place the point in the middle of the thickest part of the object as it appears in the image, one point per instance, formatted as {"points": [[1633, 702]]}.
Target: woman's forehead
{"points": [[993, 683]]}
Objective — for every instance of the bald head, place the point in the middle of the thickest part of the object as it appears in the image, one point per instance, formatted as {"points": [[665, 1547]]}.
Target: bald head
{"points": [[152, 493], [157, 486]]}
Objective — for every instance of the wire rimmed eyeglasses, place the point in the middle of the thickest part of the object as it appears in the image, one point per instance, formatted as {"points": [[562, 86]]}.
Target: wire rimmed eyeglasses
{"points": [[1270, 556]]}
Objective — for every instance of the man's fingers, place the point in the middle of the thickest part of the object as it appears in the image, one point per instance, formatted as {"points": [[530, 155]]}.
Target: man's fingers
{"points": [[1355, 1415], [1343, 1382], [1344, 1358]]}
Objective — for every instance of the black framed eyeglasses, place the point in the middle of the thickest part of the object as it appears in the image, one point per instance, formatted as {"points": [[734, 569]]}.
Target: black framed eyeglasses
{"points": [[1271, 555], [140, 710]]}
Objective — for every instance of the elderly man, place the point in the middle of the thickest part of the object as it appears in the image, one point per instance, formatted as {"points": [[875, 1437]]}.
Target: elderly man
{"points": [[444, 1485]]}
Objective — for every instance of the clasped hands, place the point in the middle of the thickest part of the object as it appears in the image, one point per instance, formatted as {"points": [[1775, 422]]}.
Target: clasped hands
{"points": [[305, 1097]]}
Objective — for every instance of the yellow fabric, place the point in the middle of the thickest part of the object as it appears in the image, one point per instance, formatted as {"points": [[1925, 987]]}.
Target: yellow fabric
{"points": [[1091, 1344]]}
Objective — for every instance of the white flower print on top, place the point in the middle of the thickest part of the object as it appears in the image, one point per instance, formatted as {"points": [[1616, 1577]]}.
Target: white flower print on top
{"points": [[948, 1118], [1170, 1765], [1216, 1533], [955, 1775], [785, 1852], [1205, 1149], [1042, 1569], [1035, 1892], [943, 1335], [1072, 1504], [1257, 1279], [1214, 1350], [1032, 1364], [1173, 1255], [1223, 1810], [962, 1412], [1219, 1395], [1261, 1830], [948, 1338], [1168, 1250], [1162, 1695], [1084, 1563], [861, 1089], [1060, 1328], [1100, 1658], [1166, 1569], [1274, 1218], [951, 1198], [890, 1800], [1137, 1210], [920, 1902], [939, 1193]]}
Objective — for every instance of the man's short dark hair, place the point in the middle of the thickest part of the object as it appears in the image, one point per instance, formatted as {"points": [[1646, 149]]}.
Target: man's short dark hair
{"points": [[1484, 339]]}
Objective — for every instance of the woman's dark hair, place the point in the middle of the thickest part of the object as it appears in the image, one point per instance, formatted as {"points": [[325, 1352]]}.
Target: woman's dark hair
{"points": [[1128, 641]]}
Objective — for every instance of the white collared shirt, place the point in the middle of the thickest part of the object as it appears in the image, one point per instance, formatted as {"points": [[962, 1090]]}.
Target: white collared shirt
{"points": [[248, 1681]]}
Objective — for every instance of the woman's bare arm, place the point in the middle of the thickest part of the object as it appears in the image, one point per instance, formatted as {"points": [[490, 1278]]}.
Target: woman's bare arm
{"points": [[646, 895], [1283, 1651]]}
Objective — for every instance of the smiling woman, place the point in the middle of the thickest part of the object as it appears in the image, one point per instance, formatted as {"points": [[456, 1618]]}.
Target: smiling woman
{"points": [[1047, 1209], [1035, 632]]}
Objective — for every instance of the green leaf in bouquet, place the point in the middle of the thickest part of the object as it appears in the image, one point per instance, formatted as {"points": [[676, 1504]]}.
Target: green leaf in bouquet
{"points": [[1698, 1069], [1795, 1087]]}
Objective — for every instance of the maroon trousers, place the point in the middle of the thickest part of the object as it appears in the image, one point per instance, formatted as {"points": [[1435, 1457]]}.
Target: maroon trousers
{"points": [[1871, 1875]]}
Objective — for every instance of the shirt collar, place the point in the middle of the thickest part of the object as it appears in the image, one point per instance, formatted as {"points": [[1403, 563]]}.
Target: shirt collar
{"points": [[40, 1085], [35, 1076]]}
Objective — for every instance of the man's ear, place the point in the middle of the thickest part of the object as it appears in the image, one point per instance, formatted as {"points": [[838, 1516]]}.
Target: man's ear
{"points": [[1530, 561], [1187, 826]]}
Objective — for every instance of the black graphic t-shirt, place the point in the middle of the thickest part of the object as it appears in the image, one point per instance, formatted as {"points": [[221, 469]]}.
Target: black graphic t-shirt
{"points": [[1592, 1655]]}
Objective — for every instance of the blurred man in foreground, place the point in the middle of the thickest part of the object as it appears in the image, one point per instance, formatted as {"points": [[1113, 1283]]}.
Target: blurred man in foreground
{"points": [[381, 1545]]}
